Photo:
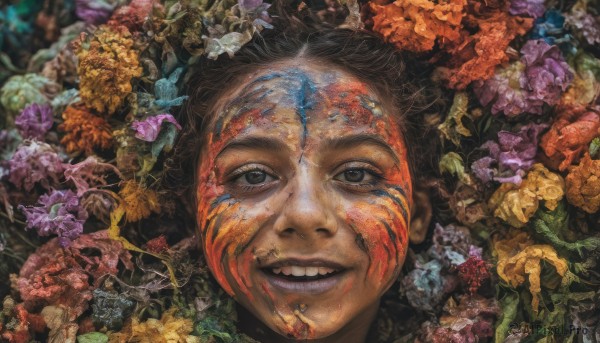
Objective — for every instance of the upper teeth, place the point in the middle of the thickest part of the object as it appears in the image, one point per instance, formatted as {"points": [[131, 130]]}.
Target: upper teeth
{"points": [[303, 271]]}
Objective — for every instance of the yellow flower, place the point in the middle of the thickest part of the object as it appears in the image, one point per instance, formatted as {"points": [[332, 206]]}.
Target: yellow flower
{"points": [[517, 204], [106, 66], [169, 329], [519, 258], [139, 202], [583, 185]]}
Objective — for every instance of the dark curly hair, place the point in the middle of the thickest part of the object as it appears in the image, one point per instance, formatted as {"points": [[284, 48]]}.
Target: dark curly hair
{"points": [[393, 74]]}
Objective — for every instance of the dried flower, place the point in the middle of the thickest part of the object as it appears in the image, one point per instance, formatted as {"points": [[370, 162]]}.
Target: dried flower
{"points": [[424, 285], [585, 88], [56, 276], [148, 129], [583, 185], [453, 128], [34, 121], [99, 204], [22, 325], [540, 77], [35, 162], [531, 8], [519, 257], [450, 244], [94, 11], [584, 22], [22, 90], [418, 25], [166, 91], [58, 213], [89, 173], [514, 154], [570, 134], [132, 16], [517, 204], [474, 56], [139, 201], [157, 245], [84, 130], [473, 272], [110, 309], [548, 75], [107, 63], [168, 329], [61, 328]]}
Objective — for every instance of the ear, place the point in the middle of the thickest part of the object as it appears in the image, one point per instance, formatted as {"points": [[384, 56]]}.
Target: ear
{"points": [[420, 216]]}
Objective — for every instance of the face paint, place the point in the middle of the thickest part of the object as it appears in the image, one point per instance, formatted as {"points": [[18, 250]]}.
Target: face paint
{"points": [[304, 170]]}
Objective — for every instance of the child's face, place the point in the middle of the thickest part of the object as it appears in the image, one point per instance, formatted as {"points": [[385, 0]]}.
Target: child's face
{"points": [[304, 173]]}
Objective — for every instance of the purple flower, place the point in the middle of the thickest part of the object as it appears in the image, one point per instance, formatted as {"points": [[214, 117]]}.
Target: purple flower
{"points": [[58, 213], [93, 11], [532, 8], [148, 129], [523, 87], [511, 157], [505, 90], [35, 162], [34, 121], [587, 24], [548, 75]]}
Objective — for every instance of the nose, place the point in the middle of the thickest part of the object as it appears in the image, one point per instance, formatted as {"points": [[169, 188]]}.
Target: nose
{"points": [[307, 212]]}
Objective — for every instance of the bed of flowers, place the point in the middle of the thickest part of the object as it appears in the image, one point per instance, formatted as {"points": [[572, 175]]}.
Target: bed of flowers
{"points": [[94, 249]]}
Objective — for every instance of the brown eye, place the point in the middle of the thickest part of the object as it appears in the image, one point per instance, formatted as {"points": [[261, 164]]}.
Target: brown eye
{"points": [[255, 177], [354, 175]]}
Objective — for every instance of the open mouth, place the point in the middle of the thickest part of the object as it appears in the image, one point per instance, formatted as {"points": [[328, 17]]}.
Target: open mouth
{"points": [[292, 278], [301, 274]]}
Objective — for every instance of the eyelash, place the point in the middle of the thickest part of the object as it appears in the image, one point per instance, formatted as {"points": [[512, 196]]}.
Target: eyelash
{"points": [[353, 166]]}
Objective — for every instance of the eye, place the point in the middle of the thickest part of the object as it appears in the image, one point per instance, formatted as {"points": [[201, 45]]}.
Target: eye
{"points": [[255, 177], [354, 175], [251, 178], [360, 175]]}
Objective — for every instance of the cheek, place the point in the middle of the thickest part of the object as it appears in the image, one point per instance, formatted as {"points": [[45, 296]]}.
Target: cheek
{"points": [[381, 228], [226, 231]]}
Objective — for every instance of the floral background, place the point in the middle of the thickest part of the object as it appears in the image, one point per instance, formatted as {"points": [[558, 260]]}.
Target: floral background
{"points": [[93, 249]]}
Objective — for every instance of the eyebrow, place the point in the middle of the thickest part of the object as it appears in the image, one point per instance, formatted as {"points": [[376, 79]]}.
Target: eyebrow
{"points": [[253, 142], [353, 141]]}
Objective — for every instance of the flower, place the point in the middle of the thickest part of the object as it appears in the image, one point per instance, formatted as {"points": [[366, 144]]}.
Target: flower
{"points": [[22, 90], [519, 257], [168, 329], [584, 22], [548, 75], [583, 185], [531, 8], [58, 213], [424, 286], [148, 129], [94, 11], [473, 272], [89, 173], [453, 127], [451, 244], [139, 201], [514, 155], [540, 77], [157, 245], [56, 276], [34, 121], [84, 131], [474, 56], [107, 64], [570, 134], [99, 204], [585, 88], [133, 15], [517, 204], [110, 309], [35, 163], [418, 25]]}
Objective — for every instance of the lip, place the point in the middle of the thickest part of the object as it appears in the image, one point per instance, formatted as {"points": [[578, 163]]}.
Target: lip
{"points": [[305, 286]]}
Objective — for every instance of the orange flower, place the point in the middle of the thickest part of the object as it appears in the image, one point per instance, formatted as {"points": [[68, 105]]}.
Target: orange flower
{"points": [[107, 64], [570, 134], [84, 130], [416, 25], [583, 185], [139, 202], [474, 56]]}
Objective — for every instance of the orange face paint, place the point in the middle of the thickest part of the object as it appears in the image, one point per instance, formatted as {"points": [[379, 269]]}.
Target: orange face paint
{"points": [[304, 171]]}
